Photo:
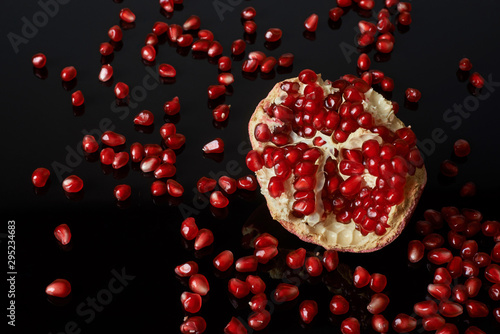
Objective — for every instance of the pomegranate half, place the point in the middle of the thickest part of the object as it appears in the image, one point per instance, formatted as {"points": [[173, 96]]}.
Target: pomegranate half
{"points": [[336, 166]]}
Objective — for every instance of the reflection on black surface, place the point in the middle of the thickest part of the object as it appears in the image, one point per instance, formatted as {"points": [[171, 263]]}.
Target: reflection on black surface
{"points": [[249, 75], [41, 73], [272, 45], [121, 173], [310, 35], [106, 60], [79, 110], [462, 76], [410, 105], [69, 85], [284, 70], [184, 51], [127, 25], [212, 103], [42, 191], [148, 129], [75, 196], [334, 25], [380, 57], [220, 125], [117, 46], [217, 157], [60, 302], [402, 28], [172, 118], [268, 76], [249, 38], [239, 57], [167, 81], [148, 63]]}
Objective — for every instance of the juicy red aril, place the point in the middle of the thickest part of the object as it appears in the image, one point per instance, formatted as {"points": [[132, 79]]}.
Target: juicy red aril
{"points": [[276, 186], [228, 184], [72, 184], [259, 320], [366, 4], [335, 13], [151, 39], [201, 45], [148, 53], [106, 49], [238, 288], [311, 23], [214, 146], [192, 23], [225, 79], [492, 273], [106, 73], [449, 168], [120, 160], [122, 192], [378, 282], [191, 302], [189, 229], [339, 305], [115, 33], [442, 276], [224, 63], [247, 183], [285, 292], [218, 200], [203, 239], [461, 148], [308, 310], [68, 73], [361, 277], [286, 60], [350, 326], [193, 325], [268, 64], [387, 84], [224, 260], [106, 156], [40, 176], [144, 117], [363, 62], [63, 234], [273, 34], [295, 259], [149, 164], [121, 90], [174, 31], [221, 112], [159, 28], [39, 60], [166, 71], [256, 284], [450, 309], [415, 251], [205, 184], [215, 49], [403, 323], [215, 91], [378, 303], [235, 326], [351, 186], [404, 18], [384, 45], [127, 15], [464, 64], [246, 264], [60, 288], [476, 80], [413, 95], [258, 302], [380, 324], [174, 188], [426, 308], [175, 141], [248, 13], [158, 188], [165, 170], [433, 322], [172, 107], [250, 27], [439, 256], [184, 40], [238, 47]]}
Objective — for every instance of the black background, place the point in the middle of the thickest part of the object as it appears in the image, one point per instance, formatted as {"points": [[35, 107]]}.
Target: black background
{"points": [[40, 128]]}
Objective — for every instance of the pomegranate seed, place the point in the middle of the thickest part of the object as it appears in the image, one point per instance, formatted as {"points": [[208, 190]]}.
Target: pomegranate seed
{"points": [[363, 62], [366, 4], [250, 27], [206, 34], [68, 73], [433, 322], [235, 327], [308, 310], [384, 45], [268, 65], [148, 53], [413, 95], [339, 305], [187, 269], [225, 79], [192, 23], [378, 303], [174, 188], [273, 35], [248, 13], [426, 308], [459, 293], [60, 288], [224, 260], [39, 60], [442, 276], [378, 282], [149, 164], [172, 107], [175, 141], [127, 15], [461, 148], [227, 184], [313, 266], [286, 60], [250, 65], [205, 184], [107, 156], [63, 234], [387, 84], [189, 229], [115, 33], [415, 251], [311, 23], [165, 170], [258, 302], [224, 63], [167, 71], [361, 277], [403, 323], [246, 264], [193, 325], [218, 200], [215, 91], [159, 28], [265, 240], [450, 309], [473, 330], [238, 288], [198, 284], [285, 292], [449, 168], [144, 118], [247, 183], [174, 31], [335, 14], [404, 18], [344, 3], [121, 90], [330, 260], [380, 324], [106, 73], [259, 320], [439, 256], [158, 188], [215, 49], [72, 184], [295, 259], [256, 284], [265, 254], [350, 326], [238, 47], [447, 329], [221, 112], [492, 273], [40, 176], [122, 192], [151, 39], [464, 64], [476, 80], [191, 302], [214, 146], [106, 49], [476, 309], [439, 291]]}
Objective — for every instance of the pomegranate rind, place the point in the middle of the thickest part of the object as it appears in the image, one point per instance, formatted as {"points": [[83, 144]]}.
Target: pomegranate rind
{"points": [[330, 233]]}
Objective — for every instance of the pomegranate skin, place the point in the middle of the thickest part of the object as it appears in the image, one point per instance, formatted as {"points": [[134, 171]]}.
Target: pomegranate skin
{"points": [[397, 219]]}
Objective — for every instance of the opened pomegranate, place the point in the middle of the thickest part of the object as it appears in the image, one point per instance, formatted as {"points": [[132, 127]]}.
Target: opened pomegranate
{"points": [[335, 164]]}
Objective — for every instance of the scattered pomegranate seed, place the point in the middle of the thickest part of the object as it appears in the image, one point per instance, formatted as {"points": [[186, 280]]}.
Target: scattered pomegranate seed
{"points": [[403, 323], [286, 60], [40, 176], [224, 63], [193, 325], [68, 73], [350, 325], [151, 39], [250, 65], [127, 15], [273, 35], [106, 49], [121, 90], [364, 62], [191, 302], [63, 234], [105, 73], [218, 200], [198, 283], [413, 94], [167, 71], [308, 310], [58, 288], [344, 3], [238, 288], [248, 13], [214, 146], [172, 107], [335, 14], [295, 259], [192, 23], [339, 305], [378, 303], [311, 23], [380, 324], [415, 251], [206, 34], [227, 184], [378, 282], [174, 188], [148, 53], [107, 156], [175, 141], [285, 292], [259, 320], [268, 64], [461, 148], [158, 188], [159, 28], [449, 168], [258, 302], [203, 239], [361, 277], [72, 184], [476, 80], [235, 327], [115, 33], [113, 139], [189, 229], [215, 49], [39, 60], [464, 64], [250, 27], [225, 79], [144, 118], [221, 112], [215, 91], [224, 260]]}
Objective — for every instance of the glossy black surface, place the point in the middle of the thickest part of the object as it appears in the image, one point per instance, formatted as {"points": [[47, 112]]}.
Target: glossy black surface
{"points": [[141, 238]]}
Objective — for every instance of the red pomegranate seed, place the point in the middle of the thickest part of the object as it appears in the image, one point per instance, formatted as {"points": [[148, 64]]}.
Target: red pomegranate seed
{"points": [[250, 27], [313, 266], [238, 47], [433, 322], [447, 329], [449, 168], [106, 73], [192, 23], [106, 49], [158, 188], [474, 330], [107, 156], [311, 23], [248, 13], [403, 323], [459, 293], [265, 254], [256, 284], [363, 62], [378, 303], [450, 310], [215, 49], [221, 112], [380, 324], [193, 325], [268, 64], [286, 60], [476, 80], [39, 60], [206, 34], [350, 326], [366, 4], [148, 53], [255, 162], [198, 283], [187, 269], [224, 260], [490, 228], [68, 73], [224, 63], [439, 291], [218, 200], [191, 302], [330, 260], [174, 31], [167, 71], [455, 267], [442, 276], [175, 141], [144, 118], [238, 288], [246, 264], [404, 18], [215, 91], [378, 282], [494, 292], [235, 326], [361, 277], [63, 234], [295, 259], [265, 240], [258, 302], [115, 33], [344, 3], [172, 107], [339, 305], [273, 35], [121, 90], [227, 184], [384, 45], [461, 148], [415, 251], [151, 39], [60, 288], [122, 192], [225, 79], [426, 308], [159, 28], [40, 176], [464, 64], [387, 84], [189, 229], [308, 310], [72, 184], [413, 94], [285, 292], [247, 183], [165, 170], [174, 188], [259, 320], [127, 15], [492, 273], [205, 184], [335, 14], [214, 146], [250, 65]]}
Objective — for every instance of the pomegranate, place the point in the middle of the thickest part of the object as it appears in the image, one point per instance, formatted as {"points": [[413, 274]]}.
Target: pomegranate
{"points": [[336, 167]]}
